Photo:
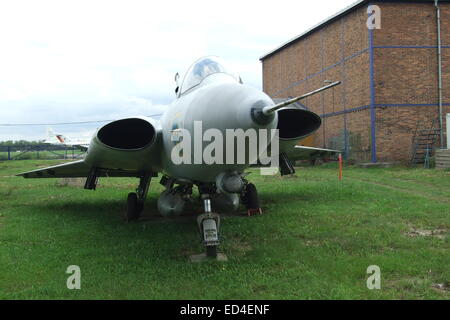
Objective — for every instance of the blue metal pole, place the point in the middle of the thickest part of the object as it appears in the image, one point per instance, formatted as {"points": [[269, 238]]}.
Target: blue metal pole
{"points": [[372, 98], [344, 84]]}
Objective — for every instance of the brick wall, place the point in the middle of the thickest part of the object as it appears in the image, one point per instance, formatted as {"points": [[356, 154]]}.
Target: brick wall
{"points": [[306, 64], [407, 74], [404, 78]]}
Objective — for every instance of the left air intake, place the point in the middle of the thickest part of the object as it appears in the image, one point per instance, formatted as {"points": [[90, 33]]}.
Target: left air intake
{"points": [[127, 134]]}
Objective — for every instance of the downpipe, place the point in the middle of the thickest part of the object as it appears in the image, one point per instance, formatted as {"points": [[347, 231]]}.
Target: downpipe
{"points": [[439, 53]]}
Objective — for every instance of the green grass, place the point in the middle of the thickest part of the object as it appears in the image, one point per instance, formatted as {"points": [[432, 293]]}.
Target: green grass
{"points": [[315, 240]]}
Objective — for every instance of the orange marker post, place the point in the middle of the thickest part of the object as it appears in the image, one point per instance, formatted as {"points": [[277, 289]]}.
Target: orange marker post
{"points": [[340, 167]]}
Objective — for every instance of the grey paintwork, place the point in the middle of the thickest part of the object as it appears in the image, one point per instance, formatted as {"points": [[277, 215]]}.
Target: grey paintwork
{"points": [[219, 103], [146, 159]]}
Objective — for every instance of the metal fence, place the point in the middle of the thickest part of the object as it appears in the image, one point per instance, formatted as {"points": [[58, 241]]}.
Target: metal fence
{"points": [[45, 151]]}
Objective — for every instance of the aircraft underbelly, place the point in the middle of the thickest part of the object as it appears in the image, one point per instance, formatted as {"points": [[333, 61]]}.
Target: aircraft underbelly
{"points": [[202, 173]]}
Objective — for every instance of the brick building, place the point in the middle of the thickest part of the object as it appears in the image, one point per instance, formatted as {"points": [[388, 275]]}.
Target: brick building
{"points": [[389, 77]]}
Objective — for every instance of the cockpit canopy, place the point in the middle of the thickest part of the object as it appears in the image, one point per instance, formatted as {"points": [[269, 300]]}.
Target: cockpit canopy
{"points": [[203, 68]]}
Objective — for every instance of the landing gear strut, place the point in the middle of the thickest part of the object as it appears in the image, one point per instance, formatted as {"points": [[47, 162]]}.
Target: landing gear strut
{"points": [[208, 224], [135, 200], [92, 179]]}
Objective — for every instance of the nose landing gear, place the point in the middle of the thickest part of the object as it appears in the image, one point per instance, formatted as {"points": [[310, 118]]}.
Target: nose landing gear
{"points": [[208, 224]]}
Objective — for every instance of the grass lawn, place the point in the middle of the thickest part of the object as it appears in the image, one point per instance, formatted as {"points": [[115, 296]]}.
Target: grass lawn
{"points": [[315, 240]]}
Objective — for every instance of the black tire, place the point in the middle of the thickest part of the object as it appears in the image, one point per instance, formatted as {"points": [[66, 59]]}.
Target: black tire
{"points": [[132, 207], [211, 251], [140, 207], [251, 199]]}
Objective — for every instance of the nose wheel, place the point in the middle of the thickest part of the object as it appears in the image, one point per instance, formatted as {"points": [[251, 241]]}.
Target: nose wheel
{"points": [[208, 224], [211, 251]]}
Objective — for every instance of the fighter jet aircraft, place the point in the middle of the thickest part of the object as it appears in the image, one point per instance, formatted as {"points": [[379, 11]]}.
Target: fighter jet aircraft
{"points": [[214, 99]]}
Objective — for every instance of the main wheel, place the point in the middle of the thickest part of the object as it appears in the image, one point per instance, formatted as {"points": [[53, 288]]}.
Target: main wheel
{"points": [[250, 198], [140, 207], [132, 207], [211, 251]]}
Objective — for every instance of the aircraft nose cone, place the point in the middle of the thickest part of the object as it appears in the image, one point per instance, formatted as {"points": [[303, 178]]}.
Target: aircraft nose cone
{"points": [[251, 108], [257, 114], [231, 105]]}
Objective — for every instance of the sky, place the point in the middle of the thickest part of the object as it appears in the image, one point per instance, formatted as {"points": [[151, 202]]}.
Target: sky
{"points": [[74, 61]]}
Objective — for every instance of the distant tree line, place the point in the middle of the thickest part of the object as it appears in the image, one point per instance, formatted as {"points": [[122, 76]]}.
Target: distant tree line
{"points": [[20, 143]]}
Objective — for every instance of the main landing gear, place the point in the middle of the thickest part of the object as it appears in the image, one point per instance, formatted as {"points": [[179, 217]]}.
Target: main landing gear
{"points": [[250, 199], [135, 200], [208, 222]]}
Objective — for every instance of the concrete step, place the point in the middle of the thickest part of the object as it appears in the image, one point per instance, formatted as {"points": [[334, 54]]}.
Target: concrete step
{"points": [[443, 158]]}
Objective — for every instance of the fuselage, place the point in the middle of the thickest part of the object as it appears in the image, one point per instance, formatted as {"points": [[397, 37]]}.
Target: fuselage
{"points": [[221, 103], [215, 125]]}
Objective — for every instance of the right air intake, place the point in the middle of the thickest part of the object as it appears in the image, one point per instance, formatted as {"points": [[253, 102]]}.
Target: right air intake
{"points": [[295, 123]]}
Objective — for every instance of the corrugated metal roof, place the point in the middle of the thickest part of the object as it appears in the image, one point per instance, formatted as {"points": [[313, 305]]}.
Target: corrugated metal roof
{"points": [[334, 17]]}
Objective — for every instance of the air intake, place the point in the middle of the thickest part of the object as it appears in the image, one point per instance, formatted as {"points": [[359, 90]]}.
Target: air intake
{"points": [[127, 134], [295, 123]]}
